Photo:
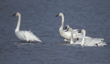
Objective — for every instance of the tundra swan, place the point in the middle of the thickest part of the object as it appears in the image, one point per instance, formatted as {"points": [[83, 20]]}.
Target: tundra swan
{"points": [[24, 35], [63, 33]]}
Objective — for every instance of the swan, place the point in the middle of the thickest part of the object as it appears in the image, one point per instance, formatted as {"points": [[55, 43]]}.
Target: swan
{"points": [[63, 33], [87, 41], [24, 35]]}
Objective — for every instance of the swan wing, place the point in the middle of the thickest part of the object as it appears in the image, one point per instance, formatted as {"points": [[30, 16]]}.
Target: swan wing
{"points": [[75, 30], [21, 35], [92, 41], [67, 35], [31, 37]]}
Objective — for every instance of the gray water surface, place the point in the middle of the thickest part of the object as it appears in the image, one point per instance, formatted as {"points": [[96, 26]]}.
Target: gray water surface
{"points": [[39, 17]]}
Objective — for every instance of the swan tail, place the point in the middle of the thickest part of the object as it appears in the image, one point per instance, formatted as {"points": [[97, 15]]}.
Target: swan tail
{"points": [[30, 36], [38, 40], [102, 44]]}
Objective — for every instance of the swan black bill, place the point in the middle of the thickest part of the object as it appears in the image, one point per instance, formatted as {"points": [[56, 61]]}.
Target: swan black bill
{"points": [[79, 31], [13, 14], [96, 45], [66, 27], [57, 15]]}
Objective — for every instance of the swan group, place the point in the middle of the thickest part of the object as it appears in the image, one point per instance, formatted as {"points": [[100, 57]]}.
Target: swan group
{"points": [[87, 41], [23, 34], [70, 35], [66, 34], [76, 37]]}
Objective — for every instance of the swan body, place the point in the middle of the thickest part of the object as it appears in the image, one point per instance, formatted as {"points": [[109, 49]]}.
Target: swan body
{"points": [[94, 42], [24, 35]]}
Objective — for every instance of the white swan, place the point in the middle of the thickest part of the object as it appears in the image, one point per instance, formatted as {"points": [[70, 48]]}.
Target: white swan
{"points": [[63, 33], [24, 35], [88, 41]]}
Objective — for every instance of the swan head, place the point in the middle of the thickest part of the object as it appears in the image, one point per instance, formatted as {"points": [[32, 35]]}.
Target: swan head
{"points": [[83, 31], [17, 14], [60, 14], [67, 27]]}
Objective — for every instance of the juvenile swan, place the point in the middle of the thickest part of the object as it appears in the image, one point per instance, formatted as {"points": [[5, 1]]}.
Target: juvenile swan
{"points": [[76, 33], [24, 35]]}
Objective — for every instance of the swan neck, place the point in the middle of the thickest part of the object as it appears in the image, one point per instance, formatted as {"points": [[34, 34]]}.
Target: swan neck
{"points": [[18, 24], [62, 23], [83, 38], [72, 42]]}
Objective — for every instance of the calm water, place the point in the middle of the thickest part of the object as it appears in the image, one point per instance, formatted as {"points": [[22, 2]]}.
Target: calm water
{"points": [[39, 16]]}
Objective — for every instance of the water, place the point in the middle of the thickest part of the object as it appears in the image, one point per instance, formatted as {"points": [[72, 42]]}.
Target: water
{"points": [[39, 16]]}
